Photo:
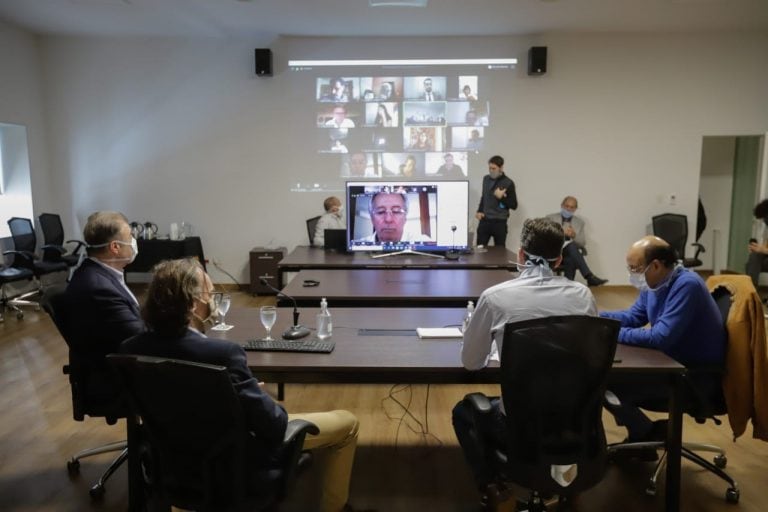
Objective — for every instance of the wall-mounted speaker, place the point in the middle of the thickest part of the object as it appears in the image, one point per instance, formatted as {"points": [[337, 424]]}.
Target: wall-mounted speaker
{"points": [[537, 60], [263, 61]]}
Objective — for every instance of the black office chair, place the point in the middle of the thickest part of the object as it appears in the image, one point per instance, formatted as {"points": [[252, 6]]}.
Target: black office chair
{"points": [[14, 303], [673, 229], [194, 439], [90, 382], [311, 225], [53, 240], [553, 377], [24, 256], [702, 401]]}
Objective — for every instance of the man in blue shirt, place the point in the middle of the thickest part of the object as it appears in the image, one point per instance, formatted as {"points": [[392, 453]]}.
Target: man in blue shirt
{"points": [[674, 313]]}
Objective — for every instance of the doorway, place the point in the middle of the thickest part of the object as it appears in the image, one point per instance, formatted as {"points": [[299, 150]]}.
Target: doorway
{"points": [[732, 171]]}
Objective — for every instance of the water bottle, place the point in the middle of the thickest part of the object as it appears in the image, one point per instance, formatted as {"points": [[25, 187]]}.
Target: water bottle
{"points": [[324, 322], [468, 315]]}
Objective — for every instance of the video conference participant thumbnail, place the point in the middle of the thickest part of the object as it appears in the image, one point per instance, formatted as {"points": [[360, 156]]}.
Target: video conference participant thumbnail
{"points": [[394, 215]]}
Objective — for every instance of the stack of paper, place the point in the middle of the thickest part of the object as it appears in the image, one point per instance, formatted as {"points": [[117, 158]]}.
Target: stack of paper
{"points": [[438, 332]]}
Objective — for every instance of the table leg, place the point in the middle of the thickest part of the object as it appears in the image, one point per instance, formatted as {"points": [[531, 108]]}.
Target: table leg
{"points": [[280, 391], [674, 444]]}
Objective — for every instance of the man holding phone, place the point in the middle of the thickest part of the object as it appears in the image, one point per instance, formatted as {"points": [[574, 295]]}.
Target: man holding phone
{"points": [[758, 251]]}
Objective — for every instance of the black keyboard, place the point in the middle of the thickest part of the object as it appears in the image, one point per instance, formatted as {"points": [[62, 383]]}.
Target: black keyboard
{"points": [[324, 347]]}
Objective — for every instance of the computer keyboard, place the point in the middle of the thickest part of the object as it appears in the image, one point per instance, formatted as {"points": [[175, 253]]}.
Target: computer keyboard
{"points": [[324, 347]]}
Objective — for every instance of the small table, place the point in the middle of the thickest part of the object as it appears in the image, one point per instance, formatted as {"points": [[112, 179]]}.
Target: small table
{"points": [[152, 252]]}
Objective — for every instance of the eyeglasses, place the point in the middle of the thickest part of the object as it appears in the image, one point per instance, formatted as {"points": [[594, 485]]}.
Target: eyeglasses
{"points": [[395, 212], [637, 269]]}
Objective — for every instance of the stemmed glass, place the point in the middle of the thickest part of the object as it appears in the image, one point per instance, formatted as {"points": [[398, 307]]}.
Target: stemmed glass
{"points": [[268, 316], [224, 302]]}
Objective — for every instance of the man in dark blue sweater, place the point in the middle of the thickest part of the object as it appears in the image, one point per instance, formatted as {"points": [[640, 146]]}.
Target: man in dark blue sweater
{"points": [[674, 313]]}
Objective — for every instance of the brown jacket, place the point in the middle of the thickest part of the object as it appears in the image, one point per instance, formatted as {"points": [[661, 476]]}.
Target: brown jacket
{"points": [[745, 384]]}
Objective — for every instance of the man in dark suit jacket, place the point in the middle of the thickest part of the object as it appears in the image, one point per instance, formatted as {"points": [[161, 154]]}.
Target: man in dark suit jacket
{"points": [[100, 311], [180, 303]]}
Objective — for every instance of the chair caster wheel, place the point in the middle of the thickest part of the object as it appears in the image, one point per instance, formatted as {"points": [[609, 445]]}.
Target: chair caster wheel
{"points": [[650, 490], [97, 492], [73, 467], [720, 461], [732, 495], [20, 315]]}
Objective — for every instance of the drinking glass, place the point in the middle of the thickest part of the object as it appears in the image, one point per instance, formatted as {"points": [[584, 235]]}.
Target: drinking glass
{"points": [[224, 303], [268, 316]]}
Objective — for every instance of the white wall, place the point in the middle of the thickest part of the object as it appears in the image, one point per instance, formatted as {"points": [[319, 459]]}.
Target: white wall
{"points": [[21, 103], [16, 192], [170, 130]]}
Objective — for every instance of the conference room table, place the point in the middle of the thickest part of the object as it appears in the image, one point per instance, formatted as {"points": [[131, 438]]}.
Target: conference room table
{"points": [[391, 287], [305, 257], [380, 346]]}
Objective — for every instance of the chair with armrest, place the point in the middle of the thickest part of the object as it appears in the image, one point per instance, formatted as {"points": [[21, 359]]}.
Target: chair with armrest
{"points": [[673, 229], [87, 378], [10, 275], [311, 226], [25, 257], [194, 439], [703, 400], [553, 376], [53, 241]]}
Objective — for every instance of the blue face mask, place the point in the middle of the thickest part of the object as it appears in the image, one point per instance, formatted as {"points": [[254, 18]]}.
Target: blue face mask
{"points": [[567, 214]]}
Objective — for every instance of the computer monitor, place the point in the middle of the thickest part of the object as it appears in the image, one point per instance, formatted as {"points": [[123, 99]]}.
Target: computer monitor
{"points": [[424, 216], [335, 240]]}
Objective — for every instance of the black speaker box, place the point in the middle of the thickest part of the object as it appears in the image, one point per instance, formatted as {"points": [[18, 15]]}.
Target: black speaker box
{"points": [[263, 61], [537, 60]]}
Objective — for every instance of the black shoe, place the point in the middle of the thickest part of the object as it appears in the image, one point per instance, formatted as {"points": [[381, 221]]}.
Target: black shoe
{"points": [[593, 280]]}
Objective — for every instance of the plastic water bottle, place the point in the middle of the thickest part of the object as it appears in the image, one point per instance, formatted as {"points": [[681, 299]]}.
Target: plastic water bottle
{"points": [[468, 315], [324, 321]]}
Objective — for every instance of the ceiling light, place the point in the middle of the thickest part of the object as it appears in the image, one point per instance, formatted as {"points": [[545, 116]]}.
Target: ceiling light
{"points": [[398, 3]]}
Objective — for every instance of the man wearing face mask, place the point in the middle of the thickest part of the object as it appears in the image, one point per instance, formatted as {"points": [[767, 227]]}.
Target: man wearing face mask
{"points": [[333, 218], [100, 311], [575, 242], [180, 304], [674, 313], [498, 197], [536, 293]]}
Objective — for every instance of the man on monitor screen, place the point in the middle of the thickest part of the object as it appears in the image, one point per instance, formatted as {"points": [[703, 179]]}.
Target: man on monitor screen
{"points": [[389, 211]]}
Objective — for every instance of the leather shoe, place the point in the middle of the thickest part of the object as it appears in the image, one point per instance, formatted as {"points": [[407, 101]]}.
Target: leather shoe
{"points": [[593, 280]]}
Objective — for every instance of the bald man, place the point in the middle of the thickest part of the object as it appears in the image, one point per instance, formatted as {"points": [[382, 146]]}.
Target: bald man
{"points": [[674, 313]]}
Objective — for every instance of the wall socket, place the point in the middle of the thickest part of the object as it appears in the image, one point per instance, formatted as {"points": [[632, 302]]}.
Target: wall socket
{"points": [[672, 199]]}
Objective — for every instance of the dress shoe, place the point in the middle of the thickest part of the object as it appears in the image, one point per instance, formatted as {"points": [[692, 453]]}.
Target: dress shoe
{"points": [[593, 280]]}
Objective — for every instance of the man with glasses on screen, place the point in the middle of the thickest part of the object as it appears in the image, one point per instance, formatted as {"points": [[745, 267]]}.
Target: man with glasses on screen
{"points": [[389, 212]]}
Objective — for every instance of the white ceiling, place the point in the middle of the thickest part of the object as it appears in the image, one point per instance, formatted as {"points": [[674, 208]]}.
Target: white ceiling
{"points": [[268, 18]]}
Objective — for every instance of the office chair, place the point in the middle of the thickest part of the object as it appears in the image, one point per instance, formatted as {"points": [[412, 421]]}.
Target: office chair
{"points": [[87, 379], [194, 439], [24, 256], [311, 225], [673, 229], [53, 240], [553, 376], [702, 402], [11, 275]]}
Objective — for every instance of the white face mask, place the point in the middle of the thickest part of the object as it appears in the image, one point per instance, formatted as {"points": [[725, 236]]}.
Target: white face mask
{"points": [[213, 314], [533, 261], [134, 250], [637, 279]]}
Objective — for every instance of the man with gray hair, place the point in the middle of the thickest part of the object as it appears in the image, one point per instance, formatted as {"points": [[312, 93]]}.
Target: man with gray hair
{"points": [[181, 303], [536, 293], [100, 310], [388, 210]]}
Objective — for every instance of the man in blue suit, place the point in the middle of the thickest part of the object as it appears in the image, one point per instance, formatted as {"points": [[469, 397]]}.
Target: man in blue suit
{"points": [[180, 304], [100, 310]]}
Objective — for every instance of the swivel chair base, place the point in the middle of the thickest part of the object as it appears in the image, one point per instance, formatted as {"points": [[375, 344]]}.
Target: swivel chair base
{"points": [[688, 451], [73, 464]]}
